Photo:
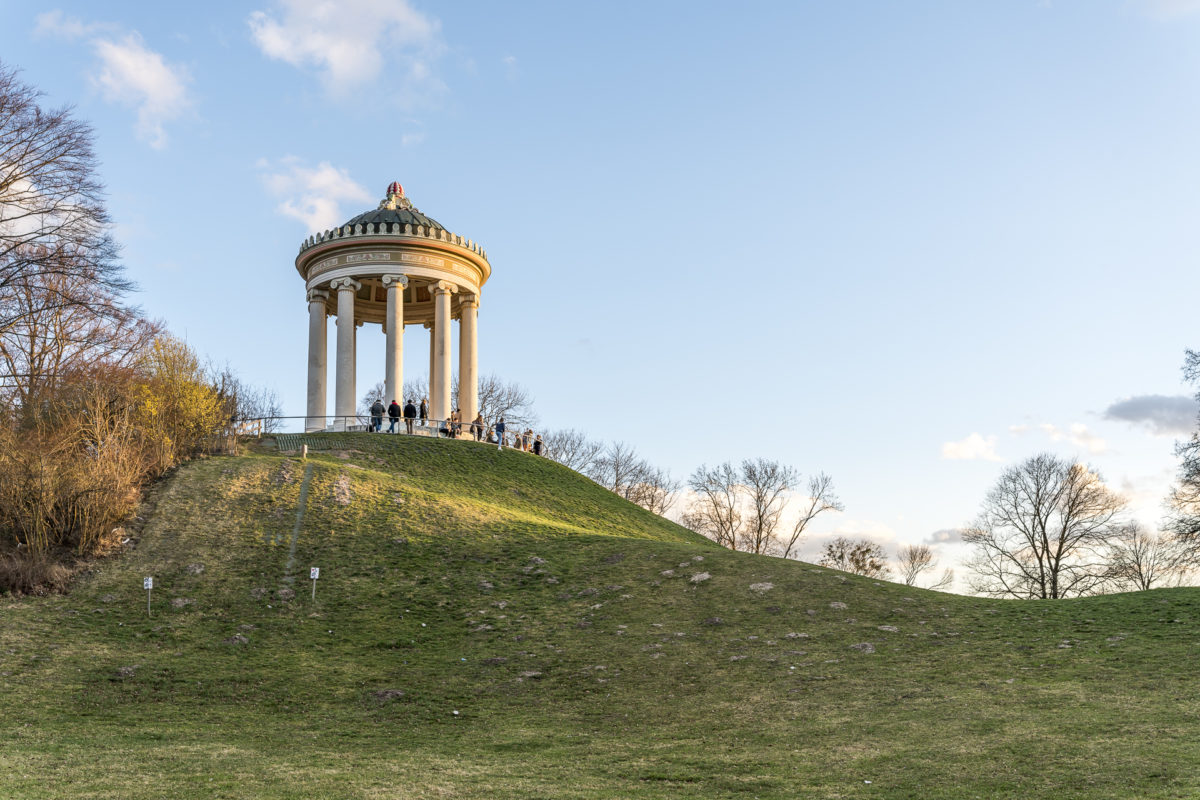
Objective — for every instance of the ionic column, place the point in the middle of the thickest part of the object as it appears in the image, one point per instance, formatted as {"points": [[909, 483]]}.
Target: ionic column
{"points": [[317, 352], [344, 400], [394, 353], [468, 358], [440, 381], [429, 387]]}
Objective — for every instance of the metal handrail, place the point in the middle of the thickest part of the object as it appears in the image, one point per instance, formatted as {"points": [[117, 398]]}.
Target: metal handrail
{"points": [[363, 423]]}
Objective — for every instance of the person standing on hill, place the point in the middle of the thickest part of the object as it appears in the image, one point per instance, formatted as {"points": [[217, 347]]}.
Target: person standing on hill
{"points": [[394, 413], [410, 413], [537, 445], [424, 410], [500, 434], [477, 427], [377, 410]]}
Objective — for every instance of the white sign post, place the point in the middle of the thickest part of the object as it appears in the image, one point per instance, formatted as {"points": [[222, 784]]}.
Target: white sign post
{"points": [[314, 573], [148, 585]]}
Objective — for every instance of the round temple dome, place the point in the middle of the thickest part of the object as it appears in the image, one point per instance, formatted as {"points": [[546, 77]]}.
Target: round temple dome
{"points": [[400, 215], [396, 208]]}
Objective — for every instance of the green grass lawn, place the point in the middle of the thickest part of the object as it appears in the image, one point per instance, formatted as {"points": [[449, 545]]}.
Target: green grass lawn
{"points": [[573, 636]]}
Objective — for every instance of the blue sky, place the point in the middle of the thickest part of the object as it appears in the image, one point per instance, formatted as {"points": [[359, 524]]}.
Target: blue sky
{"points": [[904, 243]]}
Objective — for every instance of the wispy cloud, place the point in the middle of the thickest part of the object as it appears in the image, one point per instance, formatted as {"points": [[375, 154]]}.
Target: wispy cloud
{"points": [[313, 195], [56, 23], [973, 448], [1170, 9], [128, 73], [1162, 415], [1076, 433], [351, 42]]}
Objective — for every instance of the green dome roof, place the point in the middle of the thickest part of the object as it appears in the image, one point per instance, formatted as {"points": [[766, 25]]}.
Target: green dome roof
{"points": [[402, 216], [395, 208]]}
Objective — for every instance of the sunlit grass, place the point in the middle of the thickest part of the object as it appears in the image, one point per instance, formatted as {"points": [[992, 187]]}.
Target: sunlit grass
{"points": [[564, 627]]}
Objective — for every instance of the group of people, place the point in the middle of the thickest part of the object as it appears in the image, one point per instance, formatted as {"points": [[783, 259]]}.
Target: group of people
{"points": [[451, 428], [395, 412], [526, 442]]}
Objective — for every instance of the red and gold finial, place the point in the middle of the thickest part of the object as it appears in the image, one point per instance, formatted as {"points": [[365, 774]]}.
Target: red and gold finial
{"points": [[395, 198]]}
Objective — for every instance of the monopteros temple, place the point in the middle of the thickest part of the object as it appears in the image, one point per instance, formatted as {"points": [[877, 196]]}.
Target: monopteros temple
{"points": [[394, 267]]}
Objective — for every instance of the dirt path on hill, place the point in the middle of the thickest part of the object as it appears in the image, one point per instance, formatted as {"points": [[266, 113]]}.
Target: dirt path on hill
{"points": [[288, 577]]}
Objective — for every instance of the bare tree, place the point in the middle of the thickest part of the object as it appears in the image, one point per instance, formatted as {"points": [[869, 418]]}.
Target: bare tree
{"points": [[243, 401], [653, 489], [572, 449], [912, 560], [1044, 531], [766, 483], [54, 228], [714, 512], [616, 468], [821, 498], [858, 556], [48, 337], [741, 507], [915, 559], [500, 399], [1141, 560], [61, 286], [1184, 500]]}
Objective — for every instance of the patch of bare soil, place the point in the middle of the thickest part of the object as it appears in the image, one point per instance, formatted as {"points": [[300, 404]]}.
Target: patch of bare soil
{"points": [[341, 490]]}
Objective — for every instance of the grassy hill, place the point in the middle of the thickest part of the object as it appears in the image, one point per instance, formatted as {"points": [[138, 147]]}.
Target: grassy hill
{"points": [[491, 625]]}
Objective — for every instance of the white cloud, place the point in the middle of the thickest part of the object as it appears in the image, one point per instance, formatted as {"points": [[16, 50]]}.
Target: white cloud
{"points": [[350, 42], [313, 195], [972, 448], [135, 76], [129, 73], [1078, 435]]}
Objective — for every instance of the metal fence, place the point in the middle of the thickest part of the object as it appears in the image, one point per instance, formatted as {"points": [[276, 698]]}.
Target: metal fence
{"points": [[285, 428]]}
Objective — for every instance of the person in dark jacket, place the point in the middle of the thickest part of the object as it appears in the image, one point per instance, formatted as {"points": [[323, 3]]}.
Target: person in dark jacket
{"points": [[424, 410], [394, 413], [537, 445], [500, 434], [410, 413], [377, 411]]}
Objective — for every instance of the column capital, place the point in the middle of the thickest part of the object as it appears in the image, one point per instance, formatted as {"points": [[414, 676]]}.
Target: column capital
{"points": [[317, 295], [395, 280], [343, 284], [427, 326], [468, 300], [442, 287]]}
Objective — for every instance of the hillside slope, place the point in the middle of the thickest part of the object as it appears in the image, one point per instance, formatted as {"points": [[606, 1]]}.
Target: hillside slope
{"points": [[491, 625]]}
